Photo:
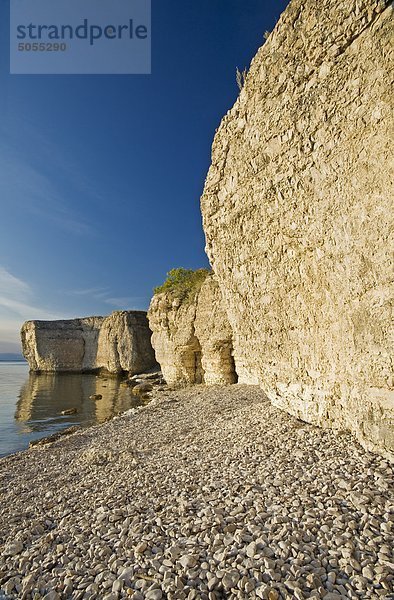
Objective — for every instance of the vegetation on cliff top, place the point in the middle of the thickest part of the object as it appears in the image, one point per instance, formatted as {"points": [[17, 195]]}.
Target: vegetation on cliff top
{"points": [[183, 283]]}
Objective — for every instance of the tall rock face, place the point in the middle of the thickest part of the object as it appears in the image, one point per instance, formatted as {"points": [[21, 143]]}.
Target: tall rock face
{"points": [[69, 345], [192, 337], [120, 342], [124, 343], [298, 216]]}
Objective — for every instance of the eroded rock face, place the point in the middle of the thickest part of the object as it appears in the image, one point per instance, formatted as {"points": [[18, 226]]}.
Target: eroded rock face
{"points": [[120, 342], [298, 215], [193, 338], [124, 343], [69, 345]]}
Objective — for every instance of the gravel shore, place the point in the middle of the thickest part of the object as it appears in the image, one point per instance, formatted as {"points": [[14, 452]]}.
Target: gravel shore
{"points": [[207, 492]]}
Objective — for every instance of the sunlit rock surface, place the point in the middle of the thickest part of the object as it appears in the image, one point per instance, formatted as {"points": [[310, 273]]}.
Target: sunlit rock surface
{"points": [[120, 342], [298, 216], [192, 338]]}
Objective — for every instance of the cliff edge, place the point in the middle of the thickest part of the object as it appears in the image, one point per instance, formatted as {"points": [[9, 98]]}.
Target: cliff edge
{"points": [[192, 337], [298, 216]]}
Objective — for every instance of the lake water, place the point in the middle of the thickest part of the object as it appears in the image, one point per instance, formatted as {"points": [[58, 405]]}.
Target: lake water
{"points": [[30, 404]]}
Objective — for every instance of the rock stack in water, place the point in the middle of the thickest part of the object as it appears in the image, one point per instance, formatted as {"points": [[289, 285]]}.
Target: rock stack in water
{"points": [[120, 342]]}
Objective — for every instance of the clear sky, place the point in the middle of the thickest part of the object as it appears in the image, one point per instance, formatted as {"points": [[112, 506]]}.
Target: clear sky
{"points": [[100, 176]]}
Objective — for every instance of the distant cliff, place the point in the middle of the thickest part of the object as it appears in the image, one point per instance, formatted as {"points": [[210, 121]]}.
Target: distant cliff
{"points": [[298, 215], [120, 342], [192, 337]]}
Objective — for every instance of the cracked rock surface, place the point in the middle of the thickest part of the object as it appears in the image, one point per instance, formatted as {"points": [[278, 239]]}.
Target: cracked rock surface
{"points": [[298, 214]]}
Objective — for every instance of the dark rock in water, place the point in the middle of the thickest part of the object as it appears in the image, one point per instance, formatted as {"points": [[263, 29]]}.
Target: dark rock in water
{"points": [[142, 388], [147, 376], [131, 383], [153, 378], [152, 374], [69, 411]]}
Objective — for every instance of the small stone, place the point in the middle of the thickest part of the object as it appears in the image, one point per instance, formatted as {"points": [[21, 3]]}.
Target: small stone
{"points": [[368, 573], [52, 595], [28, 583], [249, 587], [251, 549], [126, 574], [268, 563], [212, 583], [8, 587], [154, 595], [141, 547], [355, 564], [230, 580], [188, 561], [261, 592], [13, 548], [331, 577], [117, 585], [174, 552]]}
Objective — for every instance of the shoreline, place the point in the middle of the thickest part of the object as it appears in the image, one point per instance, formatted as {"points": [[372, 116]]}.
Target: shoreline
{"points": [[205, 492], [46, 406]]}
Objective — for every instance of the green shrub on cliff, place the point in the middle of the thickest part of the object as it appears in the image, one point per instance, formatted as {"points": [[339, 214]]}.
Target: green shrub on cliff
{"points": [[183, 283]]}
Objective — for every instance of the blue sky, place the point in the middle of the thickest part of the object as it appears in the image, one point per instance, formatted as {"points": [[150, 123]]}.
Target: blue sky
{"points": [[100, 176]]}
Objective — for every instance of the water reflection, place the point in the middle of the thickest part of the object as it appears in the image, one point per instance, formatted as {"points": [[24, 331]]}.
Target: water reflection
{"points": [[45, 396]]}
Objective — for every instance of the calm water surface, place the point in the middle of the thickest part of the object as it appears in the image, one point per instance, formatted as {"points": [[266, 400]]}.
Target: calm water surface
{"points": [[30, 404]]}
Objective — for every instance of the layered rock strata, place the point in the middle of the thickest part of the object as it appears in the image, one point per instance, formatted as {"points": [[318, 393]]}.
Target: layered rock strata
{"points": [[124, 343], [120, 342], [298, 215], [192, 337]]}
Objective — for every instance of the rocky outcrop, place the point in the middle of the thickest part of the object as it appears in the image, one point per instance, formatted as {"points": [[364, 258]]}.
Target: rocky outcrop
{"points": [[69, 345], [192, 337], [124, 343], [120, 342], [298, 215]]}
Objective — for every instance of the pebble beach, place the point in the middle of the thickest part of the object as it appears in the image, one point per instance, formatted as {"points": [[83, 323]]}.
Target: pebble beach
{"points": [[204, 493]]}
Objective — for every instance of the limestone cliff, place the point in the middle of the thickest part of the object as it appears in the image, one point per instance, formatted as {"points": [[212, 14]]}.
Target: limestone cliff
{"points": [[120, 342], [298, 216], [192, 337], [124, 343]]}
